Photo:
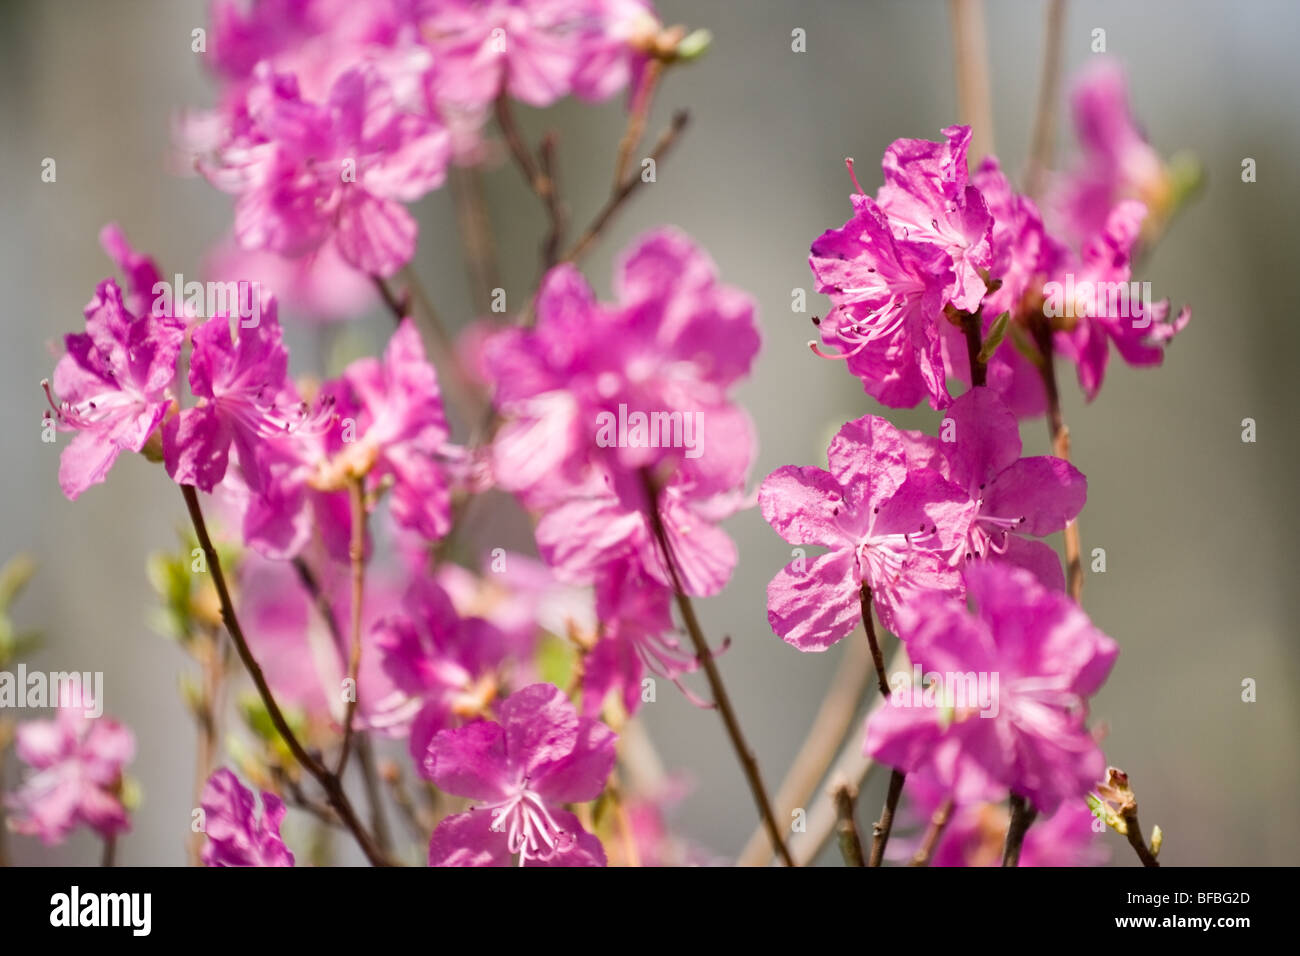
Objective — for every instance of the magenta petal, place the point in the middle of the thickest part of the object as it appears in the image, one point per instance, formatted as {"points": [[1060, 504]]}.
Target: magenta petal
{"points": [[814, 606], [467, 839], [1047, 492], [471, 761]]}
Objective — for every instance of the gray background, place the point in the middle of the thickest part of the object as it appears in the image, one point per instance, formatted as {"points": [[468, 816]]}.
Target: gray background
{"points": [[1199, 528]]}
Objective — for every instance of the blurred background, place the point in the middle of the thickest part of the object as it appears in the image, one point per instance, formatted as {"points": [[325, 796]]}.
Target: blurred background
{"points": [[1199, 528]]}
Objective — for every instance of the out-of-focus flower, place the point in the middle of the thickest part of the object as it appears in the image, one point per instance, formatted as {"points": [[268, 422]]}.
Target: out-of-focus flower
{"points": [[1029, 736], [76, 775], [236, 837]]}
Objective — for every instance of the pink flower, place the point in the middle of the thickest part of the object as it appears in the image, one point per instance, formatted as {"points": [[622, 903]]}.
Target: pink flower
{"points": [[1115, 161], [889, 518], [537, 51], [307, 171], [245, 397], [519, 772], [113, 384], [598, 393], [887, 296], [640, 382], [929, 198], [1030, 736], [1013, 496], [635, 614], [1138, 329], [391, 428], [76, 776], [235, 836], [444, 662]]}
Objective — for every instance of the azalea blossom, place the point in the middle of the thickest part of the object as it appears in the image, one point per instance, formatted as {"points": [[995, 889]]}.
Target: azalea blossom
{"points": [[236, 837], [76, 776], [114, 385], [519, 772], [1049, 659], [889, 519]]}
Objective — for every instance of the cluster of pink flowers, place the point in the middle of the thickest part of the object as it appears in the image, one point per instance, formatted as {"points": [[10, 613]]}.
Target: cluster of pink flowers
{"points": [[614, 425]]}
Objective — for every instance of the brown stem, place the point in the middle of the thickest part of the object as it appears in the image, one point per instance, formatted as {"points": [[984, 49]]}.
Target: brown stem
{"points": [[554, 206], [475, 228], [1022, 817], [704, 655], [636, 119], [338, 799], [833, 721], [357, 556], [881, 829], [1133, 831], [938, 821], [629, 186], [109, 857], [212, 665], [523, 157], [374, 795], [970, 326], [845, 799], [1060, 432], [1049, 87]]}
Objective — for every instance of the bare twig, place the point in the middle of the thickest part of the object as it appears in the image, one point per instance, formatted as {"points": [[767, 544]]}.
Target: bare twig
{"points": [[338, 799], [845, 799], [930, 842], [475, 228], [629, 186], [721, 700], [1023, 815], [357, 556]]}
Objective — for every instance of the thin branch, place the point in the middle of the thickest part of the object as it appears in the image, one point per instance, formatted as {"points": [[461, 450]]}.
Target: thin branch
{"points": [[629, 186], [523, 157], [934, 832], [1133, 830], [374, 795], [834, 718], [554, 205], [845, 799], [880, 831], [970, 326], [475, 228], [207, 714], [1049, 88], [975, 103], [357, 556], [109, 857], [704, 655], [1023, 815], [636, 119], [338, 799]]}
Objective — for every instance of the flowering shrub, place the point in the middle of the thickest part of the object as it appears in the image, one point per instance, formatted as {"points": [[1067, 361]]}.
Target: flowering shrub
{"points": [[335, 585]]}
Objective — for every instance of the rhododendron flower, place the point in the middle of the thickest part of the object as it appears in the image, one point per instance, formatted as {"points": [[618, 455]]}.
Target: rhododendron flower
{"points": [[929, 198], [236, 837], [641, 381], [76, 777], [889, 519], [240, 377], [1048, 659], [444, 662], [391, 428], [1013, 496], [319, 286], [887, 296], [1100, 316], [307, 171], [635, 613], [1115, 160], [113, 386], [518, 772], [537, 51]]}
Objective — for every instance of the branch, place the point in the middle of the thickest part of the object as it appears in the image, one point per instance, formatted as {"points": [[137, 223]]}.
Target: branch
{"points": [[620, 195], [357, 555], [705, 656], [938, 822], [976, 110], [338, 799], [1023, 815], [845, 799]]}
